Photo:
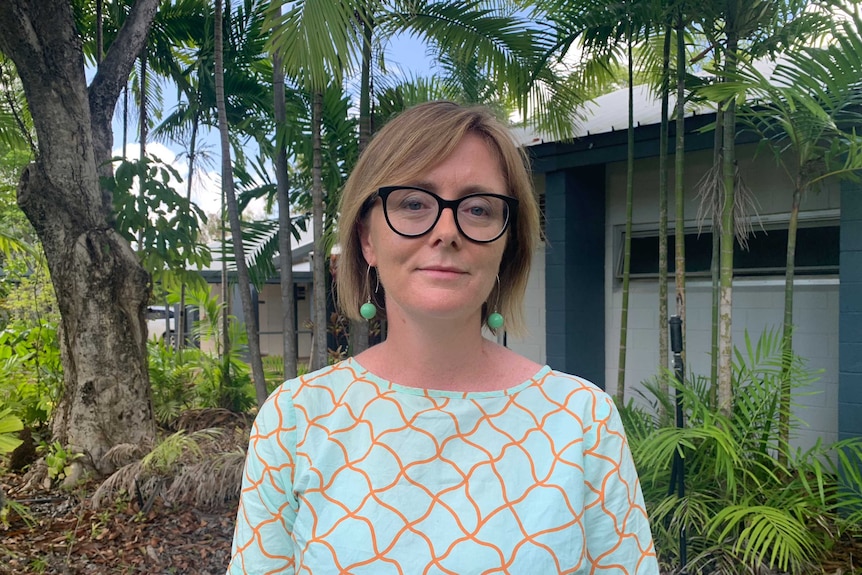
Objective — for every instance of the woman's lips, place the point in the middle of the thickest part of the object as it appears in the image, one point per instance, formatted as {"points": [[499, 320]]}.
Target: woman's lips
{"points": [[442, 271]]}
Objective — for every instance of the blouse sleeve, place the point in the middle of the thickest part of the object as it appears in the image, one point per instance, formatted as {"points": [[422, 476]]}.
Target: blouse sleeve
{"points": [[262, 541], [618, 536]]}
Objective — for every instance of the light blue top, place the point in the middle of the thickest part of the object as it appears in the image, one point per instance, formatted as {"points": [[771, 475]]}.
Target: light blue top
{"points": [[349, 473]]}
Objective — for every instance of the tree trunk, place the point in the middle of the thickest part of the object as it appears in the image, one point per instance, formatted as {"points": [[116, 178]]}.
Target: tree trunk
{"points": [[627, 247], [125, 118], [715, 271], [663, 346], [679, 176], [359, 329], [143, 124], [243, 282], [99, 32], [180, 324], [101, 287], [143, 132], [285, 255], [725, 339], [319, 348], [787, 335]]}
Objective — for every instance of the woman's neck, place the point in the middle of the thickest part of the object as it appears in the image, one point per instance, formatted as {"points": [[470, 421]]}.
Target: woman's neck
{"points": [[439, 355]]}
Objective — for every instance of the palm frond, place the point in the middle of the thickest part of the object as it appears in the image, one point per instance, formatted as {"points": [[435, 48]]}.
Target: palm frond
{"points": [[316, 39]]}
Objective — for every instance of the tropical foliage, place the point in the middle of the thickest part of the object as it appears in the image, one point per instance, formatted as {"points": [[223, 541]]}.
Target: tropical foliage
{"points": [[752, 501], [31, 375], [9, 424], [193, 378], [742, 509]]}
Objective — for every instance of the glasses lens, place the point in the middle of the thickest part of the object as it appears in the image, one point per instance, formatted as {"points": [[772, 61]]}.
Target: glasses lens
{"points": [[411, 212], [414, 212], [482, 218]]}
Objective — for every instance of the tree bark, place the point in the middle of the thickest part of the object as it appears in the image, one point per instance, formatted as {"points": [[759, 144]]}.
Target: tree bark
{"points": [[787, 329], [679, 176], [714, 269], [663, 344], [101, 287]]}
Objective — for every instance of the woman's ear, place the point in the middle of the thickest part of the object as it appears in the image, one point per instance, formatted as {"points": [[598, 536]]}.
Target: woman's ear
{"points": [[366, 243]]}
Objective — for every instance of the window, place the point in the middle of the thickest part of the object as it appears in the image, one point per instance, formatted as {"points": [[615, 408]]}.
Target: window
{"points": [[817, 248]]}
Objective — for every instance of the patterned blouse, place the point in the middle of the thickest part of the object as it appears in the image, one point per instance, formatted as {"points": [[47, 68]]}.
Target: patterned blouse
{"points": [[349, 473]]}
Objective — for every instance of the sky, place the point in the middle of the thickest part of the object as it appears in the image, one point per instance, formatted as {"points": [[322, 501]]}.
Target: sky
{"points": [[405, 54]]}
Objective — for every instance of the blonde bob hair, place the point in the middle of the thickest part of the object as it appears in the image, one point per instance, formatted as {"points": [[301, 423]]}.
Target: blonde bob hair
{"points": [[406, 148]]}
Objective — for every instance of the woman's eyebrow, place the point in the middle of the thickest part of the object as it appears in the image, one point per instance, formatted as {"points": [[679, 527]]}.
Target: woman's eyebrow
{"points": [[462, 191]]}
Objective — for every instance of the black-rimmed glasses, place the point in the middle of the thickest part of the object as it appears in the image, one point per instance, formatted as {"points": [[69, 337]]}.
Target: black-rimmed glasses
{"points": [[412, 212]]}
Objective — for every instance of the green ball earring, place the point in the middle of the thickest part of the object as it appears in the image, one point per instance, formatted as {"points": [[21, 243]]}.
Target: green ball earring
{"points": [[368, 310], [495, 320]]}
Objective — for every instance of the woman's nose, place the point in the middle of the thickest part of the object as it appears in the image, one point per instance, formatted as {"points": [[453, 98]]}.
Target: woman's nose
{"points": [[446, 229]]}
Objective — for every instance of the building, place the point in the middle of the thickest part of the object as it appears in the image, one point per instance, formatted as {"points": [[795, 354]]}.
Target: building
{"points": [[576, 291], [573, 303]]}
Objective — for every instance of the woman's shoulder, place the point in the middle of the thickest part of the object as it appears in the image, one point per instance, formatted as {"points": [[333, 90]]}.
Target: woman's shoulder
{"points": [[329, 379], [569, 388]]}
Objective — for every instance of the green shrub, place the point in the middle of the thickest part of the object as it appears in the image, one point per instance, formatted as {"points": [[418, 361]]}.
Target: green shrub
{"points": [[59, 460], [174, 377], [31, 373], [9, 428], [742, 509], [194, 378]]}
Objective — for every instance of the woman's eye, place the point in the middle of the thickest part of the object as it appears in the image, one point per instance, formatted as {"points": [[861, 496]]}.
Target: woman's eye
{"points": [[412, 203], [477, 208]]}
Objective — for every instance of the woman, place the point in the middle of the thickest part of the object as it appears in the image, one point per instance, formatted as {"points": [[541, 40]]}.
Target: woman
{"points": [[439, 451]]}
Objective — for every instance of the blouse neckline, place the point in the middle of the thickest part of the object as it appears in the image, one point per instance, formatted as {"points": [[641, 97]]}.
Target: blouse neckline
{"points": [[427, 392]]}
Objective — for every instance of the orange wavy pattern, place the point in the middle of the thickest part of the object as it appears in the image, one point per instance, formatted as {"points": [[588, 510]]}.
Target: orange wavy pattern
{"points": [[348, 473]]}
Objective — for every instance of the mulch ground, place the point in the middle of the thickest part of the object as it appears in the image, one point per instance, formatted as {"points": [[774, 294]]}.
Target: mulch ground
{"points": [[66, 537]]}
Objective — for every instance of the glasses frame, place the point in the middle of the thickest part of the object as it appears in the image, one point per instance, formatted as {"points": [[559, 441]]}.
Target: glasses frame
{"points": [[384, 192]]}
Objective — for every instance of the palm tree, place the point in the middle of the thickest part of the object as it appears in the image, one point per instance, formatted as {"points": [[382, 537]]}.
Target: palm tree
{"points": [[750, 30], [607, 33], [344, 34], [316, 41], [662, 210], [288, 318], [510, 46], [630, 190], [233, 214], [807, 111]]}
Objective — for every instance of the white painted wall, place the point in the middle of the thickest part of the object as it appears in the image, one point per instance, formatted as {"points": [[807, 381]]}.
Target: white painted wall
{"points": [[758, 303], [270, 312], [269, 316], [533, 344]]}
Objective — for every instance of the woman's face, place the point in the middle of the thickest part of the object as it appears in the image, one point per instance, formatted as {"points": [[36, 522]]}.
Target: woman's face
{"points": [[442, 274]]}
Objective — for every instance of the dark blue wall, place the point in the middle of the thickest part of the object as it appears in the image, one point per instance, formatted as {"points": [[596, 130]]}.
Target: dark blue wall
{"points": [[850, 319], [574, 280]]}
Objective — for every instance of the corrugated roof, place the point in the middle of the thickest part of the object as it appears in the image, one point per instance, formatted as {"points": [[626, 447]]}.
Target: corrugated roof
{"points": [[610, 113]]}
